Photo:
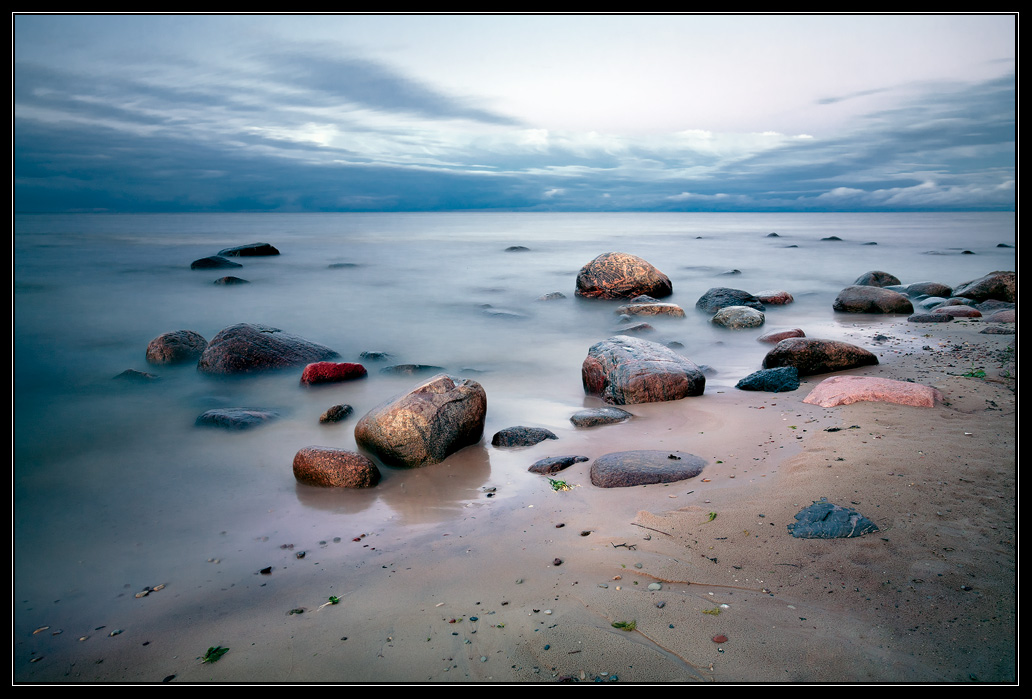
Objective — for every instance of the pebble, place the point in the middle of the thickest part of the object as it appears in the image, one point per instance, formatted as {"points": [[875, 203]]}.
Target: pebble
{"points": [[655, 586], [720, 639]]}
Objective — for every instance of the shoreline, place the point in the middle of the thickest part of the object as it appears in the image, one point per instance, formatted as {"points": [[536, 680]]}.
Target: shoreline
{"points": [[480, 598]]}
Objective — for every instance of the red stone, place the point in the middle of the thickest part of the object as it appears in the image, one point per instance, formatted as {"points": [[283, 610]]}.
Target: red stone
{"points": [[328, 372], [720, 639]]}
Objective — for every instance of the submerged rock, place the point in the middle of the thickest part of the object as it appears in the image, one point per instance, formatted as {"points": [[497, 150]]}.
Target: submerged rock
{"points": [[176, 347], [775, 336], [336, 413], [425, 425], [410, 369], [738, 317], [521, 436], [643, 467], [652, 309], [213, 262], [246, 348], [250, 250], [230, 281], [615, 275], [995, 285], [135, 376], [625, 370], [929, 318], [816, 356], [958, 311], [235, 418], [329, 467], [877, 279], [720, 297], [823, 520], [774, 297]]}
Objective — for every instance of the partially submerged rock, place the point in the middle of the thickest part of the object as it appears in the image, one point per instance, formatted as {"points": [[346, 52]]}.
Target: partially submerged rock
{"points": [[643, 467], [877, 278], [176, 347], [738, 317], [521, 436], [336, 413], [843, 390], [250, 250], [958, 311], [592, 417], [246, 348], [331, 372], [652, 309], [235, 418], [625, 370], [554, 464], [230, 281], [329, 467], [436, 418], [774, 297], [777, 380], [995, 285], [720, 297], [871, 299], [213, 262], [775, 336], [823, 520], [815, 356], [929, 318], [616, 275]]}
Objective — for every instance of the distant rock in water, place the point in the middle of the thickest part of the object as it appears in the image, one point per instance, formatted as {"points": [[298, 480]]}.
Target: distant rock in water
{"points": [[213, 262], [958, 311], [738, 317], [876, 279], [773, 235], [554, 464], [719, 297], [331, 372], [592, 417], [329, 467], [654, 308], [517, 248], [235, 418], [814, 356], [927, 289], [410, 369], [343, 265], [246, 348], [552, 296], [336, 413], [229, 281], [135, 376], [832, 237], [871, 299], [250, 250], [521, 436], [616, 275], [375, 356], [823, 520], [777, 380], [176, 347], [774, 297], [643, 467], [625, 370]]}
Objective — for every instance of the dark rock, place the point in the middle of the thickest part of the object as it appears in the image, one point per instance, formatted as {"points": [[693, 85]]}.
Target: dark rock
{"points": [[521, 436], [625, 370], [995, 285], [555, 464], [135, 376], [425, 425], [517, 248], [814, 356], [929, 318], [411, 369], [720, 297], [213, 262], [877, 279], [176, 347], [738, 317], [235, 418], [375, 356], [642, 467], [331, 372], [1003, 245], [615, 275], [823, 520], [250, 250], [731, 271], [329, 467], [832, 237], [776, 380], [871, 299], [336, 413], [230, 281], [246, 348], [592, 417], [343, 265], [928, 289], [773, 235]]}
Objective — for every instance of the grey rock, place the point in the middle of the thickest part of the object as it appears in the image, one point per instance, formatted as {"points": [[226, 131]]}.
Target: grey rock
{"points": [[246, 348], [593, 417], [213, 262], [250, 250], [823, 520], [521, 436], [235, 418], [719, 297], [776, 380], [554, 464], [643, 467]]}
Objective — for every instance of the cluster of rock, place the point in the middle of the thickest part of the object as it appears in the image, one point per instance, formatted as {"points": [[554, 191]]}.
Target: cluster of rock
{"points": [[221, 259]]}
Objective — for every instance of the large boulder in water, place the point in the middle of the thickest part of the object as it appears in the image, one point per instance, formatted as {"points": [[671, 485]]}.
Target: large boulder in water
{"points": [[624, 370], [176, 347], [246, 348], [738, 317], [721, 297], [330, 467], [618, 275], [250, 250], [871, 299], [995, 285], [425, 425], [814, 356]]}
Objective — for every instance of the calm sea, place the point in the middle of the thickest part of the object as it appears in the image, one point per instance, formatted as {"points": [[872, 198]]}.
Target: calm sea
{"points": [[113, 481]]}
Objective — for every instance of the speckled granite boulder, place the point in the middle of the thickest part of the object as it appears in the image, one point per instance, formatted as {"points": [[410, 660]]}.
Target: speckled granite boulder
{"points": [[521, 436], [625, 370], [738, 317], [176, 347], [816, 356], [643, 467], [330, 467], [617, 275], [246, 348]]}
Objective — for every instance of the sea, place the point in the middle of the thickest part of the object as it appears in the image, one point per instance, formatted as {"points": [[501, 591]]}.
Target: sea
{"points": [[114, 486]]}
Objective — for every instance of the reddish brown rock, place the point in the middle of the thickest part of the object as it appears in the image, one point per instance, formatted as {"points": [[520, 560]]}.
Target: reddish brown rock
{"points": [[331, 372], [843, 390], [871, 299], [774, 297], [176, 347], [995, 285], [329, 467], [624, 370], [958, 311], [616, 275], [246, 348], [776, 336], [425, 425], [814, 356]]}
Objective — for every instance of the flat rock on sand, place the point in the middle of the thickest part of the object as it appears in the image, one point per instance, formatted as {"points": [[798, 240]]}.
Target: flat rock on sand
{"points": [[843, 390], [643, 467]]}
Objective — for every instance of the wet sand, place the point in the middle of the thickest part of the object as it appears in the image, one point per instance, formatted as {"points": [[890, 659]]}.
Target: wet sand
{"points": [[524, 585]]}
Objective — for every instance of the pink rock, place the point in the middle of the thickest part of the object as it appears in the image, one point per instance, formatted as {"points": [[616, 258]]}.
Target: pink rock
{"points": [[329, 372], [958, 311], [776, 336], [1003, 316], [843, 390]]}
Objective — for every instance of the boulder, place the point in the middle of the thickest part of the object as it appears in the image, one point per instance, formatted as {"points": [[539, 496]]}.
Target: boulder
{"points": [[843, 390], [776, 380], [423, 426], [814, 356], [521, 436], [958, 311], [246, 348], [554, 464], [823, 520], [625, 370], [643, 467], [877, 279], [329, 467], [652, 309], [774, 297], [335, 413], [250, 250], [928, 289], [871, 299], [213, 262], [929, 318], [719, 297], [995, 285], [1004, 315], [775, 336], [738, 317], [617, 275], [592, 417], [235, 418], [411, 369], [176, 347], [517, 248], [331, 372]]}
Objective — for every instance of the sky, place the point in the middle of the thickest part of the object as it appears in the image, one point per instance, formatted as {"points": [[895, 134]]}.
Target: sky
{"points": [[676, 112]]}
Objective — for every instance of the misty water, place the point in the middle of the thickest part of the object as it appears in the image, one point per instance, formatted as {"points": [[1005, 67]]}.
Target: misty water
{"points": [[113, 483]]}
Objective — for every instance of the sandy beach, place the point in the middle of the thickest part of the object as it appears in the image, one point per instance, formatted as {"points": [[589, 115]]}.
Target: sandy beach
{"points": [[561, 586]]}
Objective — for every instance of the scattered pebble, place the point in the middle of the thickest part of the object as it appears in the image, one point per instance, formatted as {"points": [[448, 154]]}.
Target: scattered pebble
{"points": [[720, 639]]}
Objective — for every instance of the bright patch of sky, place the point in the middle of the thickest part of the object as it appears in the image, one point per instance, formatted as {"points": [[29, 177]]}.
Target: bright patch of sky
{"points": [[538, 112]]}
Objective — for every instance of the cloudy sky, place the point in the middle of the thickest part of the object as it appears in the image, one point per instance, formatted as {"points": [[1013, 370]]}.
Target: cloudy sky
{"points": [[524, 112]]}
